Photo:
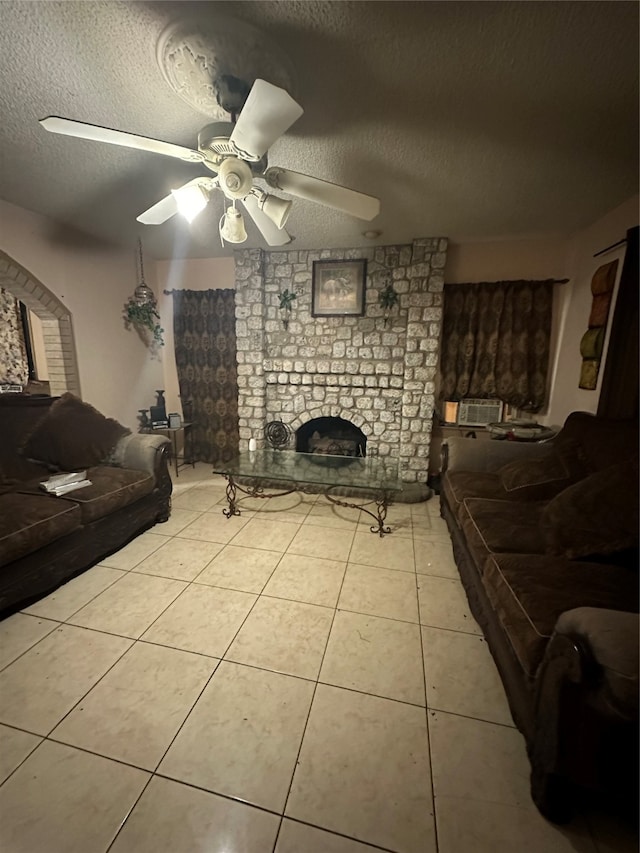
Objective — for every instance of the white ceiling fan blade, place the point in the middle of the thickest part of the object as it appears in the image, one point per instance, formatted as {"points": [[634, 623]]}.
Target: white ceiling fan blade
{"points": [[267, 113], [314, 189], [272, 234], [68, 127], [168, 206]]}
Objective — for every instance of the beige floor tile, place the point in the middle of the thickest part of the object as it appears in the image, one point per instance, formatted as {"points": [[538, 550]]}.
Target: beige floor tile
{"points": [[308, 579], [63, 800], [439, 526], [68, 599], [475, 760], [284, 636], [204, 619], [14, 748], [174, 818], [324, 514], [243, 736], [179, 519], [246, 569], [133, 713], [181, 559], [299, 838], [214, 527], [190, 475], [486, 827], [380, 592], [136, 551], [200, 500], [312, 541], [266, 534], [39, 688], [130, 605], [390, 552], [434, 556], [443, 604], [373, 655], [364, 771], [20, 632], [295, 504], [462, 677]]}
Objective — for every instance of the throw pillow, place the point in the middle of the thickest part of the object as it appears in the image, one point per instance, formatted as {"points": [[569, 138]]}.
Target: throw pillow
{"points": [[542, 478], [596, 516], [72, 436]]}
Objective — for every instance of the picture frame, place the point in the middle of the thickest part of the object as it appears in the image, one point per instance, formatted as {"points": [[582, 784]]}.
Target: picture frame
{"points": [[337, 288]]}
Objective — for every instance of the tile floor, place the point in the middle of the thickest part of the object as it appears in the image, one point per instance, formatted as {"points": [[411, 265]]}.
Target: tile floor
{"points": [[283, 681]]}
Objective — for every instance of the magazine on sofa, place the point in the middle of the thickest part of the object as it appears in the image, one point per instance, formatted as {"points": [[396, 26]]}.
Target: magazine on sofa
{"points": [[61, 484]]}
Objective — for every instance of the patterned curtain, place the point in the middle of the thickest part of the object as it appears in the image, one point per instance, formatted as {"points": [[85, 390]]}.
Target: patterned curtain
{"points": [[495, 341], [14, 365], [205, 345]]}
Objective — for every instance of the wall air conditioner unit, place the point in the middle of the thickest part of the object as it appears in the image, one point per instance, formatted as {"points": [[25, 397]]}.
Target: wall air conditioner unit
{"points": [[479, 412]]}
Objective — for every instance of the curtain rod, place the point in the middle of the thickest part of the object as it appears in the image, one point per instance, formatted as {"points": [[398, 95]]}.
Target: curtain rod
{"points": [[612, 246]]}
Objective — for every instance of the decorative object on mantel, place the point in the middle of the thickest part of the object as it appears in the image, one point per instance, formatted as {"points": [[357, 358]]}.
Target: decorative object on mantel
{"points": [[141, 310], [286, 298], [277, 434], [387, 299]]}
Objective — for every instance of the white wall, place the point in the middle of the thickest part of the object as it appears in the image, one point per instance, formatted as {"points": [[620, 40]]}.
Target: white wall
{"points": [[566, 397], [180, 274], [117, 372]]}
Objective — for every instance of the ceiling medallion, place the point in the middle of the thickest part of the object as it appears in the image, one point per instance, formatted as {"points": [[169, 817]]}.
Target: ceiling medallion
{"points": [[193, 55]]}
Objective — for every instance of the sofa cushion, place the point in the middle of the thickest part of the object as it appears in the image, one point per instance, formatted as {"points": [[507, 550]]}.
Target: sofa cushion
{"points": [[529, 592], [111, 489], [458, 485], [72, 436], [491, 526], [30, 521], [541, 478], [597, 516]]}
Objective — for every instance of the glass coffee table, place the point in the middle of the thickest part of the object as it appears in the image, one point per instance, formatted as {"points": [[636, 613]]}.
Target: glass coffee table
{"points": [[374, 480]]}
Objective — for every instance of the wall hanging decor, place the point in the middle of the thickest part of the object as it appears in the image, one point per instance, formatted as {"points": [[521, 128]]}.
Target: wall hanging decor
{"points": [[592, 342], [338, 288], [286, 298]]}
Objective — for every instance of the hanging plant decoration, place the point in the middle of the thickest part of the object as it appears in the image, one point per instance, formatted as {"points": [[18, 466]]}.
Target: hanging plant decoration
{"points": [[387, 299], [286, 300], [141, 311]]}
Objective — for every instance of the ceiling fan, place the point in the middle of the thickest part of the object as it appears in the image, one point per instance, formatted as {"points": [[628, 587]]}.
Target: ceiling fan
{"points": [[236, 153]]}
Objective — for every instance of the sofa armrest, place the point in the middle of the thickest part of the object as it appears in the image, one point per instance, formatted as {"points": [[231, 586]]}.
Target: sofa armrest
{"points": [[139, 451], [465, 454], [610, 638]]}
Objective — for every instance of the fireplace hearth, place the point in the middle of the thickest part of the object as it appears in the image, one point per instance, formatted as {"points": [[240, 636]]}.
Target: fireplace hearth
{"points": [[331, 436]]}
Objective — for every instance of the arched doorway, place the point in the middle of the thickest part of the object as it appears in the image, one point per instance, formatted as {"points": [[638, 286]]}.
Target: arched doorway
{"points": [[56, 324]]}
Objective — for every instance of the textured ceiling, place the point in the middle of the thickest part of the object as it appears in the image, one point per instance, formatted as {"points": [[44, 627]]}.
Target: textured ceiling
{"points": [[468, 120]]}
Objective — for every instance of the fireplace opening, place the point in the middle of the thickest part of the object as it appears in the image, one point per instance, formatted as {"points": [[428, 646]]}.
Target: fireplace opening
{"points": [[331, 436]]}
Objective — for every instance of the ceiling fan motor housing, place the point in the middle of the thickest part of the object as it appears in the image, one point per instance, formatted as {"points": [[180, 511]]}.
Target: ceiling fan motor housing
{"points": [[235, 177], [213, 142]]}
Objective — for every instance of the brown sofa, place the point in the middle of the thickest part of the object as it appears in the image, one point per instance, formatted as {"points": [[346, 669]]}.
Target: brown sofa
{"points": [[545, 537], [44, 539]]}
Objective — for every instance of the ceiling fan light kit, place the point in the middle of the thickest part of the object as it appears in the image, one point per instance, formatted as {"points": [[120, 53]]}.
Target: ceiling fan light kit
{"points": [[208, 66], [232, 226], [190, 200]]}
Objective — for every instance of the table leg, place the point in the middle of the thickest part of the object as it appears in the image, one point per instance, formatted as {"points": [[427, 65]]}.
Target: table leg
{"points": [[231, 497]]}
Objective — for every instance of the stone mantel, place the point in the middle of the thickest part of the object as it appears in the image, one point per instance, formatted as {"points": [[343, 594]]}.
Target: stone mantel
{"points": [[377, 373]]}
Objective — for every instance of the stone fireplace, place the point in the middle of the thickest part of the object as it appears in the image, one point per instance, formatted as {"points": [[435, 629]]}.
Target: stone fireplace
{"points": [[377, 373]]}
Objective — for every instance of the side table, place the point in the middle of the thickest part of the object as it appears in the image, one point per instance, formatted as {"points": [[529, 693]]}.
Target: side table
{"points": [[172, 433]]}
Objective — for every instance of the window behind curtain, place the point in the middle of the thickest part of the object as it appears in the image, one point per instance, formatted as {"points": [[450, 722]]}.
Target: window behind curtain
{"points": [[495, 342]]}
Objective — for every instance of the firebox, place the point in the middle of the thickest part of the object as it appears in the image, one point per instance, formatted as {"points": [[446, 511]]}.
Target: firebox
{"points": [[333, 436]]}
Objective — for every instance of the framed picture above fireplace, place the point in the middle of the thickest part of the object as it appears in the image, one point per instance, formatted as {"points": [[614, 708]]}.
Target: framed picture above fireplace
{"points": [[337, 288]]}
